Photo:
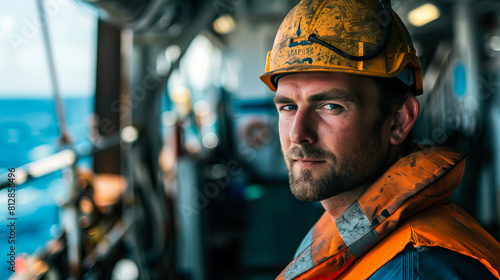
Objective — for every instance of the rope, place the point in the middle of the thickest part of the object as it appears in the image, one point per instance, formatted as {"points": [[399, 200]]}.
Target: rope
{"points": [[59, 106]]}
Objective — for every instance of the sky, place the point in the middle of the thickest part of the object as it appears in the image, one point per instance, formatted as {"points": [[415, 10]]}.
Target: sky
{"points": [[24, 70]]}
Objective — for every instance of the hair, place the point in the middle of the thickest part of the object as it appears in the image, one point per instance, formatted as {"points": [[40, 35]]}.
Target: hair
{"points": [[391, 96]]}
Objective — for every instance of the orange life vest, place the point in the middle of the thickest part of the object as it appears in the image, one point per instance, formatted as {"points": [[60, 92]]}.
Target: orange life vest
{"points": [[408, 204]]}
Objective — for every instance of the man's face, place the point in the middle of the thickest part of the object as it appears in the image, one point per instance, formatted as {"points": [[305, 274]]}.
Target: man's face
{"points": [[331, 133]]}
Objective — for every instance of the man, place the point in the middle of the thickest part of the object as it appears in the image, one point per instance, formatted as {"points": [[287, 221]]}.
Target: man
{"points": [[346, 74]]}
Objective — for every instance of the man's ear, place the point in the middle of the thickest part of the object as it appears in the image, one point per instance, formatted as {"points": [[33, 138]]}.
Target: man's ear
{"points": [[403, 120]]}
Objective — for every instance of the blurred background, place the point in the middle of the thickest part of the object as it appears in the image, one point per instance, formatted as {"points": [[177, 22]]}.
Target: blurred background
{"points": [[149, 145]]}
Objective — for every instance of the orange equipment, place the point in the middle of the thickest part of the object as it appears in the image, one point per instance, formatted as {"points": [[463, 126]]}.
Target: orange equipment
{"points": [[409, 204], [358, 37]]}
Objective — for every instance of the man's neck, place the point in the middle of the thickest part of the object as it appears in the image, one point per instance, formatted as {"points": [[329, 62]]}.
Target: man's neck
{"points": [[335, 205]]}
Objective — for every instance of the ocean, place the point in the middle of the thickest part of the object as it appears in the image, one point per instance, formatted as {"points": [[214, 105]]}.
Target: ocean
{"points": [[29, 131]]}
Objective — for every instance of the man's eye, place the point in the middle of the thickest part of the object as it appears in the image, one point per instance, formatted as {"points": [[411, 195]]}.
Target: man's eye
{"points": [[331, 106], [288, 107]]}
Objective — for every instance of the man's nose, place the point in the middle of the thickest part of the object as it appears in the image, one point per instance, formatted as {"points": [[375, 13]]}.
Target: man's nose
{"points": [[303, 128]]}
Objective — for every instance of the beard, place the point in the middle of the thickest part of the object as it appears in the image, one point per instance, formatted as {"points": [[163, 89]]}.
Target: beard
{"points": [[354, 172]]}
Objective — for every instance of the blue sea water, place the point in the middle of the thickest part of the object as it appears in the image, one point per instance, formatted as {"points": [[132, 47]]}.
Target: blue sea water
{"points": [[29, 131]]}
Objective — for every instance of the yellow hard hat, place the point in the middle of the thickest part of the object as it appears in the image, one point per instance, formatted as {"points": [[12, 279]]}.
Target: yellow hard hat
{"points": [[357, 37]]}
